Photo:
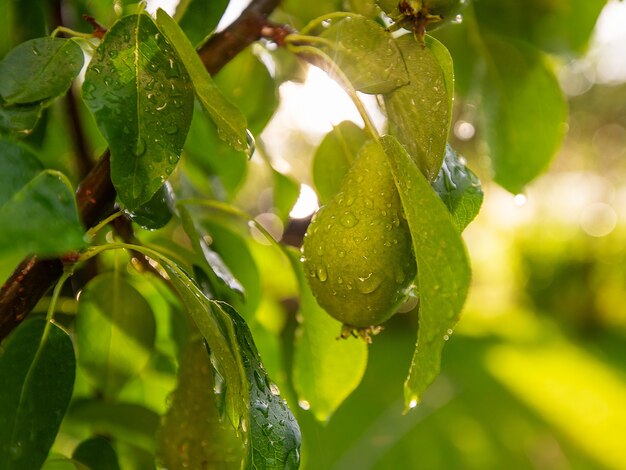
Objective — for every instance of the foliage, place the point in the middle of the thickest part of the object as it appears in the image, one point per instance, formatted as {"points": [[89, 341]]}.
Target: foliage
{"points": [[178, 330]]}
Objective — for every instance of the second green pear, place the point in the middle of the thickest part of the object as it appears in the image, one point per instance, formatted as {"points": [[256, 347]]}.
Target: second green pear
{"points": [[357, 251]]}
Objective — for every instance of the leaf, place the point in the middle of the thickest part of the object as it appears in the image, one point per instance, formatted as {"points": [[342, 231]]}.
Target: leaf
{"points": [[334, 156], [325, 371], [59, 462], [230, 121], [286, 192], [271, 434], [192, 433], [274, 435], [419, 113], [366, 54], [19, 121], [306, 11], [459, 189], [96, 454], [222, 281], [442, 264], [127, 422], [37, 367], [524, 110], [246, 82], [142, 98], [215, 158], [39, 69], [199, 18], [37, 208], [115, 331], [158, 211]]}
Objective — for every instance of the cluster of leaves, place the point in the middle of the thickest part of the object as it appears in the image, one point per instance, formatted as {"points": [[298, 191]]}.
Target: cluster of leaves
{"points": [[103, 363]]}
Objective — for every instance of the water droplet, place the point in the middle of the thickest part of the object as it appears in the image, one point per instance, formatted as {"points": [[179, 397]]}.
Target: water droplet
{"points": [[322, 275], [251, 145], [341, 253], [262, 407], [274, 389], [113, 54], [140, 147], [413, 403], [244, 425], [400, 275], [172, 129], [348, 220], [319, 250], [368, 203], [107, 81], [259, 379], [350, 201], [339, 280], [458, 19], [35, 50], [305, 405], [96, 69], [153, 67], [369, 283]]}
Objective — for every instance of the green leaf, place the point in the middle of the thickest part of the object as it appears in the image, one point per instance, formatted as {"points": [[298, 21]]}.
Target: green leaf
{"points": [[459, 189], [442, 264], [37, 367], [96, 454], [524, 109], [115, 331], [158, 211], [325, 371], [59, 462], [366, 54], [334, 156], [39, 69], [225, 166], [126, 422], [246, 82], [19, 121], [419, 113], [199, 18], [273, 440], [37, 209], [142, 99], [286, 192], [306, 11], [230, 121], [223, 283], [192, 433], [271, 434]]}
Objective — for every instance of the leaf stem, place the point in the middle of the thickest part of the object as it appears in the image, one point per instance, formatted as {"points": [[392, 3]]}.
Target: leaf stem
{"points": [[70, 32]]}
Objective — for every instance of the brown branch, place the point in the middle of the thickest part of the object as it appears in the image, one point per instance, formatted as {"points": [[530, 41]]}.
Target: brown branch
{"points": [[95, 194]]}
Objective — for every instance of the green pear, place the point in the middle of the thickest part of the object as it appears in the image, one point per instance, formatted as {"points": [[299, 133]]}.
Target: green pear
{"points": [[357, 251]]}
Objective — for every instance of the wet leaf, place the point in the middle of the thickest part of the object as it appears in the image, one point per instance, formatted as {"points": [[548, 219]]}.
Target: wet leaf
{"points": [[286, 192], [37, 208], [192, 434], [367, 54], [442, 265], [230, 121], [334, 156], [325, 371], [39, 69], [158, 211], [115, 332], [459, 189], [19, 121], [420, 112], [199, 18], [37, 369], [142, 98], [252, 403], [524, 109]]}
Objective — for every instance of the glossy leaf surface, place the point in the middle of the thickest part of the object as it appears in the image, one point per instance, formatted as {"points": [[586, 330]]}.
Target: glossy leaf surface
{"points": [[192, 433], [231, 123], [334, 156], [367, 54], [37, 371], [39, 69], [420, 112], [158, 211], [142, 99], [37, 208], [442, 265], [459, 189], [115, 331], [271, 434], [325, 370], [19, 121], [525, 110]]}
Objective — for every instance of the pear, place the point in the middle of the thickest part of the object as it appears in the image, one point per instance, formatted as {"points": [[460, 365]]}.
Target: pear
{"points": [[357, 251]]}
